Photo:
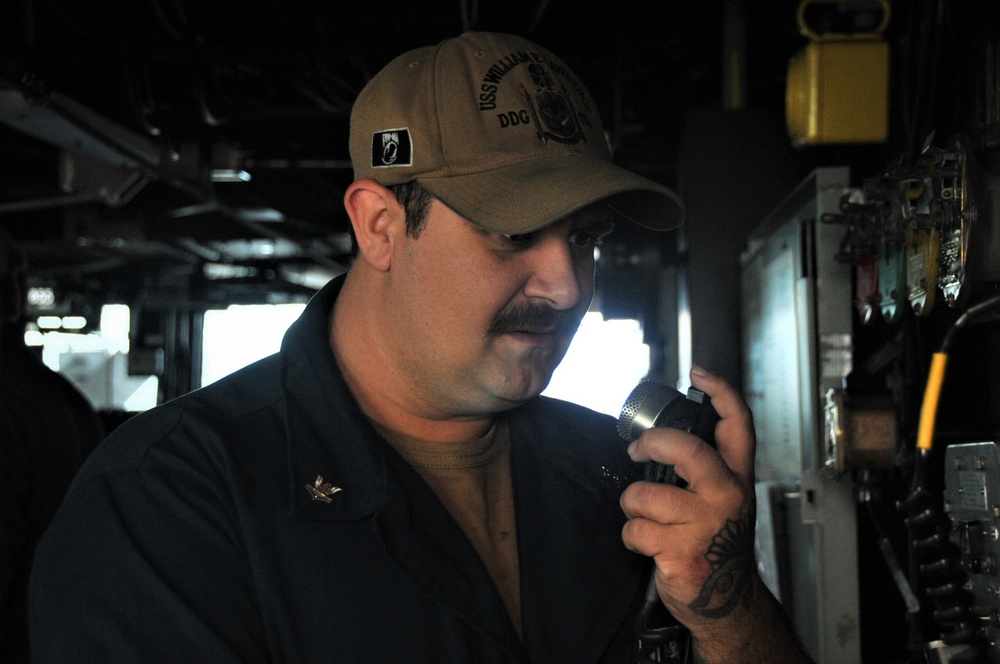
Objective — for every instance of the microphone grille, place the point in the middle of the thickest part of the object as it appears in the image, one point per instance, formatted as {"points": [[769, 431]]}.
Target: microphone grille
{"points": [[633, 404]]}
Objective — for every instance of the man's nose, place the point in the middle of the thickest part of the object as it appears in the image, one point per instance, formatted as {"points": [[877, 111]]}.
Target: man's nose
{"points": [[556, 271]]}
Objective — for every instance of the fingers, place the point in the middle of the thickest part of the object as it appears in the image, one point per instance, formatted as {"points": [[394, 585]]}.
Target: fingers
{"points": [[724, 477], [678, 527], [659, 513], [713, 492], [734, 434], [726, 400], [662, 503], [692, 458]]}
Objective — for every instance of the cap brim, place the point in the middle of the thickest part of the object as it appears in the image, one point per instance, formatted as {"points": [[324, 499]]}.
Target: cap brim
{"points": [[525, 196]]}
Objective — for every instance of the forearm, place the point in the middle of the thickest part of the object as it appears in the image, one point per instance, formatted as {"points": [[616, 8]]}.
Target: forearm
{"points": [[757, 630]]}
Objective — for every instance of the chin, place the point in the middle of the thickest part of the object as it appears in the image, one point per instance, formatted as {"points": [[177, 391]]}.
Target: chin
{"points": [[508, 381], [514, 393]]}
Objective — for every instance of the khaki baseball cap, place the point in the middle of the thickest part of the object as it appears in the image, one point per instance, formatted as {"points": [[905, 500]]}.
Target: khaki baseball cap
{"points": [[501, 131]]}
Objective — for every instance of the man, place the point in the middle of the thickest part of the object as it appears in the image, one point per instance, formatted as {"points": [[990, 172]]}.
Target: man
{"points": [[389, 486]]}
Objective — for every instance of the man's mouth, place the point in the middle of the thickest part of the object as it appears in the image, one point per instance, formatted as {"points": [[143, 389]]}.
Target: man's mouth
{"points": [[551, 330]]}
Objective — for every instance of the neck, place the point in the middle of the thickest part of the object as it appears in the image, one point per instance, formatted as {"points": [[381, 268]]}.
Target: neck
{"points": [[375, 380]]}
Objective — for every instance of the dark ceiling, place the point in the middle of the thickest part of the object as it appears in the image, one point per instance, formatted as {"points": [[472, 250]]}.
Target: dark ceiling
{"points": [[122, 120]]}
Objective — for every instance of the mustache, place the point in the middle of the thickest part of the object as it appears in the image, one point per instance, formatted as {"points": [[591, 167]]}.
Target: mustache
{"points": [[530, 317]]}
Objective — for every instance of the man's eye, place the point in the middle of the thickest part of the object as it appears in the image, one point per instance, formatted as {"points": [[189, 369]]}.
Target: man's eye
{"points": [[519, 238], [585, 239]]}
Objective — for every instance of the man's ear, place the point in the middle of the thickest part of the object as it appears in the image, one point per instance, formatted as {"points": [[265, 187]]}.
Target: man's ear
{"points": [[377, 218]]}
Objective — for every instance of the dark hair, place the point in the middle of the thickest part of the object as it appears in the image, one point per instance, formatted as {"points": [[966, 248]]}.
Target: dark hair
{"points": [[415, 200]]}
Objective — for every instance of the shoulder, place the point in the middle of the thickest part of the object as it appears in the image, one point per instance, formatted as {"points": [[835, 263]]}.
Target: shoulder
{"points": [[201, 427]]}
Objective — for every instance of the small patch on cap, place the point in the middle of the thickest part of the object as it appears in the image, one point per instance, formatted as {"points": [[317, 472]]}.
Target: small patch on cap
{"points": [[391, 147]]}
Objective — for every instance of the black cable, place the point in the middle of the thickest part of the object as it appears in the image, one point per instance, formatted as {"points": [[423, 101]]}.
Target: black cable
{"points": [[968, 316], [669, 642], [934, 557]]}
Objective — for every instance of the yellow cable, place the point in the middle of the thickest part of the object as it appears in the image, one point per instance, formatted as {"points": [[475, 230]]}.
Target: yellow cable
{"points": [[928, 412]]}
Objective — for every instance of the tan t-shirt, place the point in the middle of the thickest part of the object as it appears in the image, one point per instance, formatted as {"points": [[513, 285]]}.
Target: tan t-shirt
{"points": [[472, 479]]}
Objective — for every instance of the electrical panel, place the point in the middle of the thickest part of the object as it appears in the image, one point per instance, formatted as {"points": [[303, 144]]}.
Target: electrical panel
{"points": [[967, 588]]}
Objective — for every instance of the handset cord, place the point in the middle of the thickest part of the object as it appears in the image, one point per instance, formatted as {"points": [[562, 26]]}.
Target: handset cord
{"points": [[671, 641]]}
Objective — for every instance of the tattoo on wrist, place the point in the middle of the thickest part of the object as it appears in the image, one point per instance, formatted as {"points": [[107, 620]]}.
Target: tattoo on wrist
{"points": [[731, 556]]}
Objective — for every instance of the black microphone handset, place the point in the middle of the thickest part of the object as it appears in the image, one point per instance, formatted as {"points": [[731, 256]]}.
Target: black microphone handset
{"points": [[652, 404]]}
